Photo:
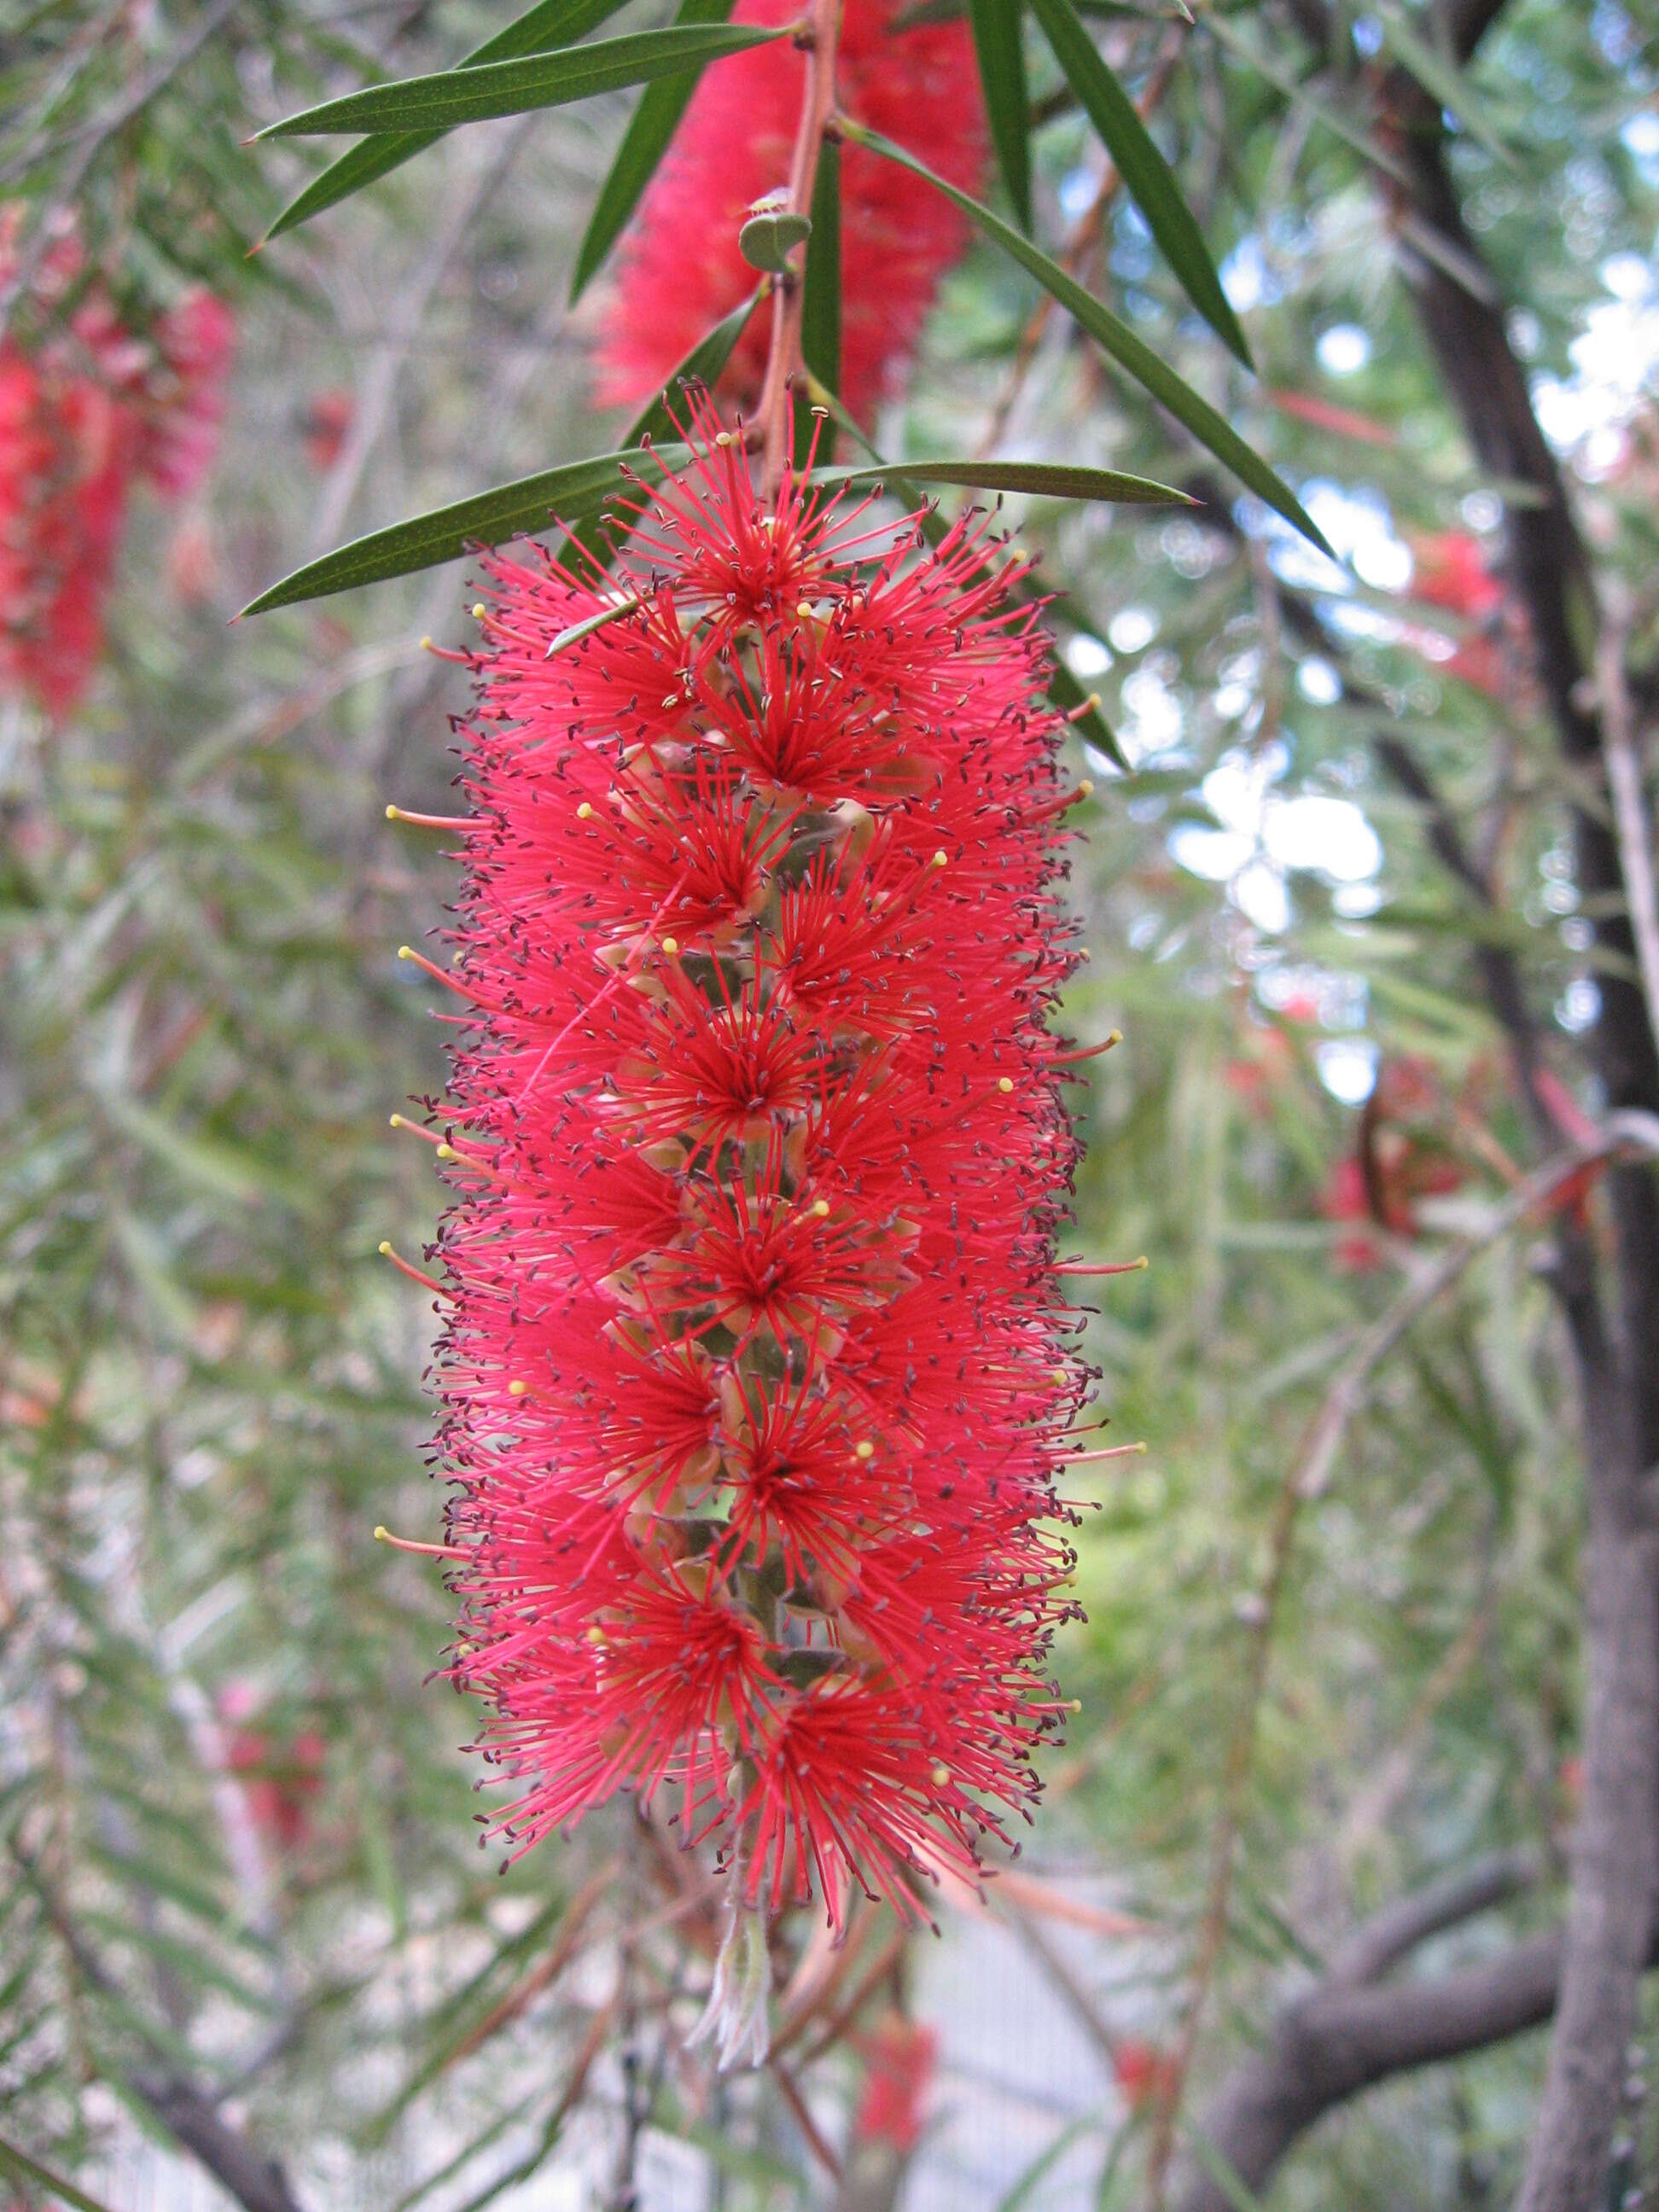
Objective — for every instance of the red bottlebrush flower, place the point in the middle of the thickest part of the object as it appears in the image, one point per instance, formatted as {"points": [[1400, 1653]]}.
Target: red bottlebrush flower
{"points": [[900, 2059], [681, 269], [1346, 1199], [84, 409], [757, 1372], [1450, 571]]}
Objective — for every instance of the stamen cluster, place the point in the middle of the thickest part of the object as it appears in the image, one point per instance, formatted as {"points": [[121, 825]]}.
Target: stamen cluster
{"points": [[757, 1375], [680, 266]]}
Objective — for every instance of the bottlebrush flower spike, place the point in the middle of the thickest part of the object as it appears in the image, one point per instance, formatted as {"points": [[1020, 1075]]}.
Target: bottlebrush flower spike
{"points": [[680, 266], [755, 1368], [86, 408]]}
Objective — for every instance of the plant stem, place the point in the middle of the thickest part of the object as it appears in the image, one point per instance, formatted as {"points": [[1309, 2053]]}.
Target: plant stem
{"points": [[784, 363]]}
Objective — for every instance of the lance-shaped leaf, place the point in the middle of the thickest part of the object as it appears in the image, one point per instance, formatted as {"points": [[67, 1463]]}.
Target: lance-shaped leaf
{"points": [[820, 319], [574, 494], [644, 143], [996, 26], [550, 23], [1145, 173], [1045, 479], [1116, 338], [516, 87]]}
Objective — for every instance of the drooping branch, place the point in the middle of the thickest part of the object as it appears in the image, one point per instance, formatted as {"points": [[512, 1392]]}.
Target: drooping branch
{"points": [[1352, 2032]]}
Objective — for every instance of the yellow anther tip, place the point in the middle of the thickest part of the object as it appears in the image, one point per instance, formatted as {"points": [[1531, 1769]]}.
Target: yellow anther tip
{"points": [[405, 952], [382, 1534], [1004, 1083], [671, 945], [395, 1122], [596, 1634], [722, 438], [447, 1153], [1085, 789], [391, 813], [1114, 1037], [585, 812], [516, 1388], [941, 860], [863, 1449], [1092, 702], [821, 1207], [385, 1248], [941, 1774], [805, 611], [478, 610], [1074, 1705], [426, 641]]}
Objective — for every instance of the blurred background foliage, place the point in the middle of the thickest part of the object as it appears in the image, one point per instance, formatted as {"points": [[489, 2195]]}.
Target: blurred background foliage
{"points": [[242, 1915]]}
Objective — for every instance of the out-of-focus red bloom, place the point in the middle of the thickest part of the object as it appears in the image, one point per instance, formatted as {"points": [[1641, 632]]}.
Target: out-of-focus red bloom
{"points": [[900, 2058], [757, 1368], [680, 267], [85, 409], [1450, 570], [1403, 1156], [327, 420], [1144, 2073], [279, 1776]]}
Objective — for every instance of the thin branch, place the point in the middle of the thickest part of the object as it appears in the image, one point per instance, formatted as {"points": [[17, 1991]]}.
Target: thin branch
{"points": [[784, 362]]}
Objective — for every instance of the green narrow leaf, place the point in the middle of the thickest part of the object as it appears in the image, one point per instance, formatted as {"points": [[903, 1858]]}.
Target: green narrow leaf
{"points": [[1145, 173], [1050, 479], [16, 2167], [702, 365], [644, 143], [820, 323], [575, 492], [452, 97], [550, 23], [1007, 102], [1116, 338]]}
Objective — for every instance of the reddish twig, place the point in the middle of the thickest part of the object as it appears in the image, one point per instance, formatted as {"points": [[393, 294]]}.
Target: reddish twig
{"points": [[785, 362]]}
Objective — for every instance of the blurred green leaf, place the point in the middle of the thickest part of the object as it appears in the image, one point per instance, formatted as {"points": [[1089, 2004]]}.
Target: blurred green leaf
{"points": [[1145, 173], [1001, 53]]}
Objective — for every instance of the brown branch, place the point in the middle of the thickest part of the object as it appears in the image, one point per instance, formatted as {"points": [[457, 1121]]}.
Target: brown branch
{"points": [[1344, 2037]]}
